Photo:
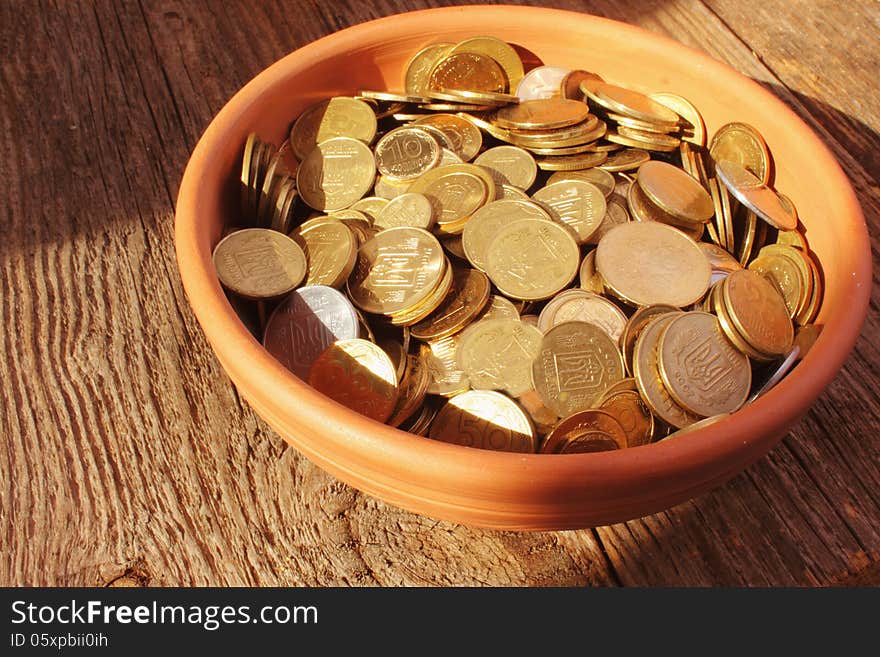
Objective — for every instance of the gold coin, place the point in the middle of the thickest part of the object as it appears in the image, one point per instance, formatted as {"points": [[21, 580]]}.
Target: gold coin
{"points": [[335, 174], [634, 326], [448, 157], [455, 192], [479, 97], [647, 375], [334, 117], [675, 192], [541, 114], [396, 270], [647, 263], [418, 69], [697, 425], [485, 223], [501, 52], [247, 202], [629, 103], [720, 224], [258, 263], [388, 188], [623, 384], [391, 97], [585, 431], [599, 177], [650, 140], [409, 209], [407, 152], [589, 279], [509, 192], [628, 159], [370, 206], [615, 214], [583, 306], [758, 311], [281, 215], [305, 323], [812, 308], [497, 354], [793, 238], [719, 259], [464, 137], [455, 107], [532, 259], [396, 353], [742, 144], [589, 147], [446, 379], [422, 309], [576, 363], [485, 420], [749, 231], [453, 246], [466, 299], [695, 127], [585, 132], [633, 415], [413, 388], [509, 165], [749, 191], [357, 374], [716, 305], [784, 272], [541, 82], [700, 368], [570, 86], [572, 162], [498, 308], [576, 203], [468, 70], [641, 126], [420, 422], [330, 248]]}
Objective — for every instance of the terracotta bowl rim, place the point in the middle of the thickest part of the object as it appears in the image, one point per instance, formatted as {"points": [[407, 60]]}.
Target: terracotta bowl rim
{"points": [[371, 443]]}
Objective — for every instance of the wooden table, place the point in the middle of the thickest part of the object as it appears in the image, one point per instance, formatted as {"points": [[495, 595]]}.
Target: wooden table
{"points": [[129, 458]]}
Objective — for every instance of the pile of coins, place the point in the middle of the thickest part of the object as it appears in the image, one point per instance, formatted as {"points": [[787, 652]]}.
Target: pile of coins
{"points": [[521, 257]]}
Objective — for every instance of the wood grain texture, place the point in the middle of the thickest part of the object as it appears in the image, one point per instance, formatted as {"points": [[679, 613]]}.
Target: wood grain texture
{"points": [[129, 458]]}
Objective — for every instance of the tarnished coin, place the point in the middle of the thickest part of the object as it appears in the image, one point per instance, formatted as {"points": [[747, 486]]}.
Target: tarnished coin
{"points": [[305, 323], [500, 51], [468, 70], [407, 152], [586, 431], [497, 354], [335, 117], [583, 306], [446, 378], [634, 326], [485, 223], [742, 144], [258, 263], [576, 203], [589, 278], [700, 368], [541, 114], [336, 173], [541, 82], [532, 259], [758, 312], [577, 362], [410, 209], [418, 69], [396, 270], [464, 302], [330, 248], [758, 198], [357, 374], [464, 137], [675, 192], [509, 165], [628, 159], [647, 375], [602, 179], [695, 127], [652, 263], [633, 415], [485, 420]]}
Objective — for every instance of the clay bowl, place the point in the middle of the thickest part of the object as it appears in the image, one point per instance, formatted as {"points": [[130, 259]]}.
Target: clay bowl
{"points": [[504, 490]]}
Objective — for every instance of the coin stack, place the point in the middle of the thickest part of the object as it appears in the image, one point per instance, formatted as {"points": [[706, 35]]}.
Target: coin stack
{"points": [[521, 257]]}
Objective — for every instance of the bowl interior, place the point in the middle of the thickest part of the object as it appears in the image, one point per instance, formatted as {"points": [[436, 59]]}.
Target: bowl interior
{"points": [[373, 56]]}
